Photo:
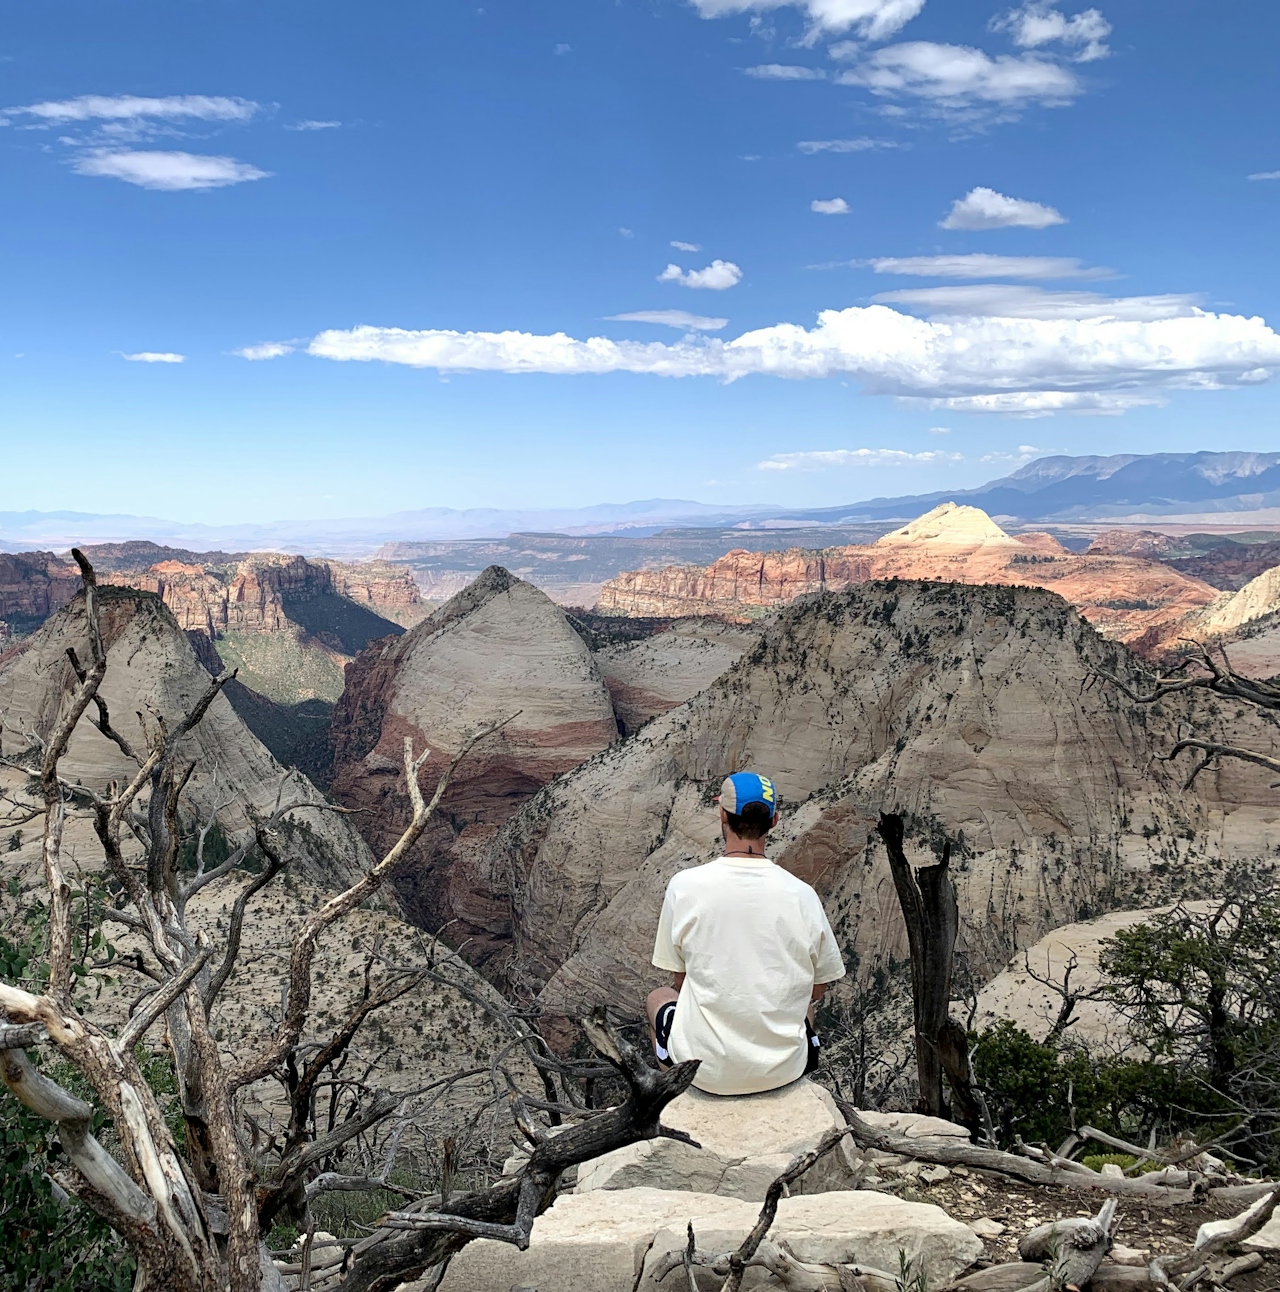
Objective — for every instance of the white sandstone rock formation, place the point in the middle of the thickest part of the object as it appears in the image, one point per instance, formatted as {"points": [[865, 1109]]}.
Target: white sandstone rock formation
{"points": [[746, 1142], [1016, 994], [950, 525], [977, 711], [152, 669], [648, 677], [498, 648], [601, 1241]]}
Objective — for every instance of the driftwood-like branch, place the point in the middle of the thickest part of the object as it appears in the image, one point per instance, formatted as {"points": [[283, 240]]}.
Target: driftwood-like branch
{"points": [[952, 1152], [1167, 1268]]}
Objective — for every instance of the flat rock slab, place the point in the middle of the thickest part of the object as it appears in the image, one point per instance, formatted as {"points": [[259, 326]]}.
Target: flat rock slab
{"points": [[600, 1241], [746, 1142], [914, 1125]]}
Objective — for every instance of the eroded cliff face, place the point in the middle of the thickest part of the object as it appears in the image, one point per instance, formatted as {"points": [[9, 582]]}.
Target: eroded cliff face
{"points": [[1123, 597], [255, 594], [976, 711], [33, 585], [152, 669], [498, 648]]}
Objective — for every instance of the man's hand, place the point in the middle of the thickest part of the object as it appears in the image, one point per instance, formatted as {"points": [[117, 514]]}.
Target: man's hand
{"points": [[819, 990]]}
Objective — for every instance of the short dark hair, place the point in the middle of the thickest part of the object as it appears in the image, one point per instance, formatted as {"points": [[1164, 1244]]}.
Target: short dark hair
{"points": [[753, 822]]}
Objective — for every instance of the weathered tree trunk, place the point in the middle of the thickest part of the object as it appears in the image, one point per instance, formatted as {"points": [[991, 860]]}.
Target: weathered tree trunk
{"points": [[928, 901]]}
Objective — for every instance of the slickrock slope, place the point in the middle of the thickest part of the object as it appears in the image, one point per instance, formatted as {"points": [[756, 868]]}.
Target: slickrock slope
{"points": [[1257, 599], [151, 666], [1121, 596], [498, 647], [974, 710], [648, 677]]}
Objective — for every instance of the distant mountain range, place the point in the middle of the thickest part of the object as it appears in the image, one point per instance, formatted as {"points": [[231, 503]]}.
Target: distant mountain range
{"points": [[1134, 487], [1230, 488]]}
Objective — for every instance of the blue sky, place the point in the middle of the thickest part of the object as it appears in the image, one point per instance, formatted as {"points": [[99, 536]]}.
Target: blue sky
{"points": [[200, 179]]}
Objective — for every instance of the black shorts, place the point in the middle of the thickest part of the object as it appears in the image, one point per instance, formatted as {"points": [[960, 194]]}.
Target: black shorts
{"points": [[666, 1016]]}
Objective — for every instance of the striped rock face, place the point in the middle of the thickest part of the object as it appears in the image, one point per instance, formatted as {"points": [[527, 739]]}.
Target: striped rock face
{"points": [[499, 647], [976, 712]]}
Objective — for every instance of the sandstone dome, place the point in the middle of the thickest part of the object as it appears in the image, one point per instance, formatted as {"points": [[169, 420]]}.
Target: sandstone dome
{"points": [[951, 525]]}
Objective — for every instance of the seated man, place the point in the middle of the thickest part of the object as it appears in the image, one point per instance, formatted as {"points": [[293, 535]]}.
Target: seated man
{"points": [[750, 947]]}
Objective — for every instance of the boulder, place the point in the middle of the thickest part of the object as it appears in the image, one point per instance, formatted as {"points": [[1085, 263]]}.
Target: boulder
{"points": [[746, 1142], [600, 1241]]}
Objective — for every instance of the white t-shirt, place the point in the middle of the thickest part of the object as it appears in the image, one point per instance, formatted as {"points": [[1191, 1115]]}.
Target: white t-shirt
{"points": [[752, 940]]}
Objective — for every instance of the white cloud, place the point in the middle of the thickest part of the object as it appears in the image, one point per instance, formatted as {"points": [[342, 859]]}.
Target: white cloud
{"points": [[155, 356], [1046, 404], [170, 171], [671, 318], [627, 233], [266, 350], [859, 145], [1037, 24], [562, 48], [820, 460], [939, 430], [975, 364], [129, 107], [685, 246], [1265, 174], [829, 206], [717, 276], [958, 76], [984, 208], [785, 72], [980, 265], [314, 125], [872, 19], [1007, 300]]}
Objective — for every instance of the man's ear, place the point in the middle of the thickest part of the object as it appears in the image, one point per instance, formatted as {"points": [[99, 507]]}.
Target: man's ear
{"points": [[724, 817]]}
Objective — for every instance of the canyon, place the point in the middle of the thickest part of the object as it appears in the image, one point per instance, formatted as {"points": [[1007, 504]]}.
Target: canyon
{"points": [[1117, 584]]}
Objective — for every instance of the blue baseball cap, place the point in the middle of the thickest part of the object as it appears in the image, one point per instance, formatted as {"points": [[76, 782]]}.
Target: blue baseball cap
{"points": [[743, 788]]}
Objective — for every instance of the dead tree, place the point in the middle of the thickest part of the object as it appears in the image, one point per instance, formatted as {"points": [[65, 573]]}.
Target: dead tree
{"points": [[928, 900], [1200, 671], [194, 1218]]}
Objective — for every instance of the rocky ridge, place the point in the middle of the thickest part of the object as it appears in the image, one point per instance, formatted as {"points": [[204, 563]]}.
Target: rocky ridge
{"points": [[153, 669], [1122, 596], [498, 648], [975, 710]]}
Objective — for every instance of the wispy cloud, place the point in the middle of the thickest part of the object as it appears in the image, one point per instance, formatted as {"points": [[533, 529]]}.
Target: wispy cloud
{"points": [[1037, 24], [977, 364], [939, 430], [859, 145], [718, 276], [671, 318], [168, 171], [155, 356], [979, 265], [785, 72], [685, 246], [957, 77], [562, 49], [984, 208], [1009, 300], [1265, 174], [314, 125], [871, 19], [825, 459], [265, 350], [131, 107], [829, 206]]}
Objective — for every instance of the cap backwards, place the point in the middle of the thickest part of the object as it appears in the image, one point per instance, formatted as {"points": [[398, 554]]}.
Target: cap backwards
{"points": [[743, 788]]}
